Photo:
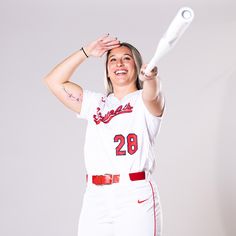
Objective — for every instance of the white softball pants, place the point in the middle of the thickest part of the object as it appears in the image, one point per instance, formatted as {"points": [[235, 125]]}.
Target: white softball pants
{"points": [[121, 210]]}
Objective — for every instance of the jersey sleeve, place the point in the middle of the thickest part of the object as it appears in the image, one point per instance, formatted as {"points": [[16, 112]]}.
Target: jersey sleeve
{"points": [[153, 122], [89, 104]]}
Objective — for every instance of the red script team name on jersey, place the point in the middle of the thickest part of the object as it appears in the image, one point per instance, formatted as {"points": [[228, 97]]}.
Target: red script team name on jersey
{"points": [[112, 113]]}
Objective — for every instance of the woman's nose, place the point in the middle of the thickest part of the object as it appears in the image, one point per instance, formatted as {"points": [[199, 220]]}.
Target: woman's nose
{"points": [[119, 62]]}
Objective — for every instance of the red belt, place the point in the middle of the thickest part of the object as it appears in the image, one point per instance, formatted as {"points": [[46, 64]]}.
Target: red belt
{"points": [[110, 179]]}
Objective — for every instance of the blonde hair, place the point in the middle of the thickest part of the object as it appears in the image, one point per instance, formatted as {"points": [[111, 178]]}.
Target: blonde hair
{"points": [[138, 63]]}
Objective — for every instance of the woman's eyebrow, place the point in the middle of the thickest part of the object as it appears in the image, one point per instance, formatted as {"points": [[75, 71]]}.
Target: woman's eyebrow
{"points": [[126, 54]]}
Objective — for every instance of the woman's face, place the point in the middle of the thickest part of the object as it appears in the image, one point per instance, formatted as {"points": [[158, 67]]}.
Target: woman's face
{"points": [[121, 67]]}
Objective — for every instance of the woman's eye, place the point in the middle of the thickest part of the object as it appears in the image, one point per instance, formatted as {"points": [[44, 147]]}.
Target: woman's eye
{"points": [[127, 58], [112, 59]]}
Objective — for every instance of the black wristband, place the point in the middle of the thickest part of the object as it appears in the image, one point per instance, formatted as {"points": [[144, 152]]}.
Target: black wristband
{"points": [[84, 52]]}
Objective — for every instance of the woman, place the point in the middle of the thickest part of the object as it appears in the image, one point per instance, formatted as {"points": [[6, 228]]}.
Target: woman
{"points": [[121, 199]]}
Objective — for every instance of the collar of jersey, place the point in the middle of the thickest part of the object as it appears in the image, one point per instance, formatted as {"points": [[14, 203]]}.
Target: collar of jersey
{"points": [[125, 97]]}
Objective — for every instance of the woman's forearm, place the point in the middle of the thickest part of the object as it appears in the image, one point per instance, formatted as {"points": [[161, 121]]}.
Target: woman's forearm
{"points": [[152, 94], [62, 72], [151, 89]]}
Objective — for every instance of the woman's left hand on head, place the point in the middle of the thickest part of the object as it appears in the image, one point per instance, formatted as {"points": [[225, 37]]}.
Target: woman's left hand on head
{"points": [[101, 45]]}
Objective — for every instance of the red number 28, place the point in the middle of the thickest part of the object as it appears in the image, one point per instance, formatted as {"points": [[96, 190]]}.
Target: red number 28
{"points": [[132, 144]]}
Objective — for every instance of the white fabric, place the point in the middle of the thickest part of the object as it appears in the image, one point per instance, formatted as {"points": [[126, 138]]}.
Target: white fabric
{"points": [[100, 148], [118, 210]]}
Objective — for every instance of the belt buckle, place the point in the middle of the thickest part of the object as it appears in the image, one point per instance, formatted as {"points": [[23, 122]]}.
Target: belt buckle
{"points": [[110, 179]]}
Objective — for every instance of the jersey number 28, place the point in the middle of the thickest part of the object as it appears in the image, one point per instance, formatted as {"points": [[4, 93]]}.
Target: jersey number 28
{"points": [[132, 144]]}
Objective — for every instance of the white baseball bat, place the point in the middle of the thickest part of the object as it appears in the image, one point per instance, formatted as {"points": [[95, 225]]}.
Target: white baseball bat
{"points": [[175, 30]]}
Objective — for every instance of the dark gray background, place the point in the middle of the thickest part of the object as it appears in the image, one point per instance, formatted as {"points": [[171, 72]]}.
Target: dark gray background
{"points": [[42, 176]]}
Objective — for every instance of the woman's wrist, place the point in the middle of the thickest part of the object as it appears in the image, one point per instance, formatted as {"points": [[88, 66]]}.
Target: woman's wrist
{"points": [[152, 75], [84, 51], [144, 77]]}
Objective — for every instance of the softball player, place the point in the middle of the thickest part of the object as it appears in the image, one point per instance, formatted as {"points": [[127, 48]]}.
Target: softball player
{"points": [[121, 199]]}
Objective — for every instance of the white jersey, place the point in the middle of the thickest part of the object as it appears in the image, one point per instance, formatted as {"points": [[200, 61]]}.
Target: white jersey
{"points": [[120, 133]]}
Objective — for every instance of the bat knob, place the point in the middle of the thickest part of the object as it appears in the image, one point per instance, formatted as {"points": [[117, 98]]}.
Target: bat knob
{"points": [[186, 14]]}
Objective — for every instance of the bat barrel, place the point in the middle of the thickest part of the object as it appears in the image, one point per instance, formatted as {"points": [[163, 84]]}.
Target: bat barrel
{"points": [[175, 30], [179, 24]]}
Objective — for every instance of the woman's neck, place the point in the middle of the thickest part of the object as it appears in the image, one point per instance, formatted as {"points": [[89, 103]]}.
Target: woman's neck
{"points": [[120, 92]]}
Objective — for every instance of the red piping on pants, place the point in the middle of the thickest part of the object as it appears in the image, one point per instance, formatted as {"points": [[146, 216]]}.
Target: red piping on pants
{"points": [[154, 209]]}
